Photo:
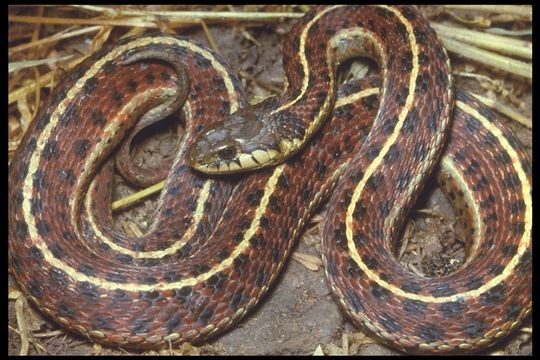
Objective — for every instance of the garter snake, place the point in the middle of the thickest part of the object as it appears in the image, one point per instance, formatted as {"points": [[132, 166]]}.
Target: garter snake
{"points": [[216, 247]]}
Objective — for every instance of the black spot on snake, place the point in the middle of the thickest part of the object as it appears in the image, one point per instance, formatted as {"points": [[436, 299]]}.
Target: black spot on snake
{"points": [[89, 85], [236, 300], [65, 311], [373, 151], [411, 287], [392, 155], [472, 125], [173, 323], [254, 198], [390, 323], [88, 290], [354, 301], [389, 125], [240, 261], [219, 83], [205, 316], [43, 228], [283, 182], [517, 207], [431, 333], [66, 175], [512, 181], [420, 151], [517, 228], [273, 203], [59, 277], [359, 239], [474, 282], [103, 322], [109, 66], [374, 181], [150, 78], [140, 326], [39, 179], [370, 261], [57, 251], [513, 311], [35, 288], [36, 206], [260, 278], [118, 96], [379, 292], [406, 62], [402, 181], [257, 241], [502, 158], [453, 308], [494, 295], [116, 278], [264, 222], [475, 328], [132, 85], [81, 147], [409, 14], [87, 270], [217, 280], [414, 307], [442, 290], [199, 269], [359, 210]]}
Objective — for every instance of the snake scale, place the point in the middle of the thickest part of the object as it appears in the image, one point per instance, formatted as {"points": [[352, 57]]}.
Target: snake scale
{"points": [[218, 242]]}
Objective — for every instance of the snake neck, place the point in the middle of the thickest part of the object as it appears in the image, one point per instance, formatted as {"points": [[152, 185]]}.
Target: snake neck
{"points": [[274, 130]]}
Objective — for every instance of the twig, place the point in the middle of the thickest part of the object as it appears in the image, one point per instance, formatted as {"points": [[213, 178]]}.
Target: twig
{"points": [[193, 17], [503, 109], [499, 9], [262, 84], [44, 79], [20, 305], [18, 65], [131, 22], [488, 58], [209, 36], [149, 18], [137, 196], [498, 43], [56, 37]]}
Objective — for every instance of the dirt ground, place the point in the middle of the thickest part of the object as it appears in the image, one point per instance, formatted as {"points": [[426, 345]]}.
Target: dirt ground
{"points": [[299, 315]]}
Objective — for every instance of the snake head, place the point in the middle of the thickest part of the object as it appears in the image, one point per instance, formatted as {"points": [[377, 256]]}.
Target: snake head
{"points": [[242, 142]]}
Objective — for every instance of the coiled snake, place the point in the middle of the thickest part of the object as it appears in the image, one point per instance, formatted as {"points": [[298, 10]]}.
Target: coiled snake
{"points": [[218, 242]]}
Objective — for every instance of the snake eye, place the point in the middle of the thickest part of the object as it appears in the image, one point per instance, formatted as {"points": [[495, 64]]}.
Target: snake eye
{"points": [[227, 153]]}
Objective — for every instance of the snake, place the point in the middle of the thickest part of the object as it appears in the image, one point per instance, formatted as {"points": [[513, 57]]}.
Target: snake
{"points": [[219, 237]]}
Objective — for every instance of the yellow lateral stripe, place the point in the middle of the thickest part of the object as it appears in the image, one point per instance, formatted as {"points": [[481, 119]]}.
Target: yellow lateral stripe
{"points": [[448, 165], [108, 133], [303, 60], [350, 99], [524, 241], [156, 254], [28, 184], [108, 285], [522, 176], [374, 165]]}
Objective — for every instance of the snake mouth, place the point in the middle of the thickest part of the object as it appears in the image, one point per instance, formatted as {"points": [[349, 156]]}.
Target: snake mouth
{"points": [[243, 162]]}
